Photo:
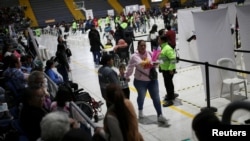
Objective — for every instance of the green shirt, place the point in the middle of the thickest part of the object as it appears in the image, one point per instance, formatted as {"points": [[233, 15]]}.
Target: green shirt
{"points": [[38, 32], [99, 22], [168, 57], [107, 20], [74, 25]]}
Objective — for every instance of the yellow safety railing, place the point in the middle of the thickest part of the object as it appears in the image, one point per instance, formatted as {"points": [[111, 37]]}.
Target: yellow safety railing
{"points": [[77, 14], [29, 12]]}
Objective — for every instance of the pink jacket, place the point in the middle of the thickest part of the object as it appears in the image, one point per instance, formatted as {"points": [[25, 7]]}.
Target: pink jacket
{"points": [[139, 62]]}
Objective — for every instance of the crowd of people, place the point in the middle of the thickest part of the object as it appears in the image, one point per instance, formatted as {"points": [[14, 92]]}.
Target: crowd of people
{"points": [[28, 80]]}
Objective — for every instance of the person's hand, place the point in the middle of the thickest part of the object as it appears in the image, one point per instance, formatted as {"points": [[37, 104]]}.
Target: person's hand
{"points": [[156, 64], [98, 129], [74, 123], [99, 133], [115, 48]]}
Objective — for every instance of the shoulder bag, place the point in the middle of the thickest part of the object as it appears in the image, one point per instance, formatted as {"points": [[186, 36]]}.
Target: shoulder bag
{"points": [[153, 75]]}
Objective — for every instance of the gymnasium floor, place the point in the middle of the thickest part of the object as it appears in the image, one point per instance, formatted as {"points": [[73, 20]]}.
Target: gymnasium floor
{"points": [[188, 84]]}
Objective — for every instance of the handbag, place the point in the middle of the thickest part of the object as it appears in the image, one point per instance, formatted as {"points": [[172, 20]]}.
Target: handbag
{"points": [[153, 74]]}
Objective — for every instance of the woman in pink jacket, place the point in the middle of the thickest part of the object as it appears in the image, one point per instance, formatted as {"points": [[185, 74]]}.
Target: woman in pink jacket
{"points": [[141, 61]]}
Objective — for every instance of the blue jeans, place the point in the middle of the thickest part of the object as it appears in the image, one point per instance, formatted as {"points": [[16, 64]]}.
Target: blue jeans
{"points": [[97, 57], [137, 26], [153, 89]]}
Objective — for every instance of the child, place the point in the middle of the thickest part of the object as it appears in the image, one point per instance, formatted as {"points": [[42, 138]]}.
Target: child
{"points": [[123, 82], [109, 43], [108, 48]]}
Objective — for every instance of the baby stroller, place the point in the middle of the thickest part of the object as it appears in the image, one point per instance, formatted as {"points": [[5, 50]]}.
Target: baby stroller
{"points": [[88, 104]]}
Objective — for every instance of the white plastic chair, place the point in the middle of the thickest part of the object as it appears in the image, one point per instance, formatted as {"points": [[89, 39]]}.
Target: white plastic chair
{"points": [[230, 78]]}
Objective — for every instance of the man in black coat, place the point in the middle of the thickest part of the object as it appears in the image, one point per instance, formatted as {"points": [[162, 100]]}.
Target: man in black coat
{"points": [[95, 44]]}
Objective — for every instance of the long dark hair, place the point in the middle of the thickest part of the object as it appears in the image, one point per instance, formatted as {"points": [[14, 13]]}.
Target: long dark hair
{"points": [[49, 64], [153, 29], [13, 60], [139, 42], [115, 96]]}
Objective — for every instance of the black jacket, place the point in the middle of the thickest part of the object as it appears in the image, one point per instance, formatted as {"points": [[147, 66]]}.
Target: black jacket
{"points": [[30, 118], [61, 58], [94, 40]]}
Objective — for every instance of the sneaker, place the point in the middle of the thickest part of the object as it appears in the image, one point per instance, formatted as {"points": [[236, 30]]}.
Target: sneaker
{"points": [[162, 119], [168, 103], [141, 115]]}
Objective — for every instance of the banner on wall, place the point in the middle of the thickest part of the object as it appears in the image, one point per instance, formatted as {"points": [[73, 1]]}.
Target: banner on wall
{"points": [[111, 12], [89, 13], [214, 41], [142, 8], [131, 8], [243, 15]]}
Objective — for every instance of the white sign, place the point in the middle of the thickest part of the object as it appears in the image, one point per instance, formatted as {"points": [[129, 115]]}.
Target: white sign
{"points": [[142, 8], [89, 13], [131, 8], [111, 12]]}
